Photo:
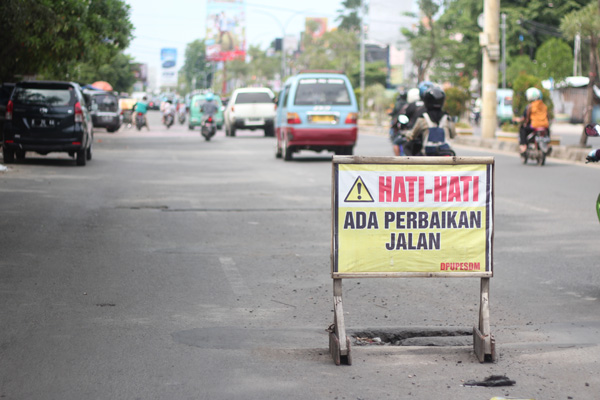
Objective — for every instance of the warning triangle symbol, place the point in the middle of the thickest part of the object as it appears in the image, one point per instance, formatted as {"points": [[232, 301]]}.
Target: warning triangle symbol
{"points": [[359, 193]]}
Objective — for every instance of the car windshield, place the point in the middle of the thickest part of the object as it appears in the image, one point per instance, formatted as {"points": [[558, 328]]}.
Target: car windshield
{"points": [[104, 102], [323, 91], [253, 97], [53, 97]]}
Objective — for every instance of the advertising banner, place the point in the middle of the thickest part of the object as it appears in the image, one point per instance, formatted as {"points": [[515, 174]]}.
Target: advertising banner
{"points": [[225, 30], [413, 219], [168, 62]]}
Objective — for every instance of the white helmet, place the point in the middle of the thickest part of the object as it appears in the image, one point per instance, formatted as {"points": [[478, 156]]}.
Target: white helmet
{"points": [[533, 94], [413, 95]]}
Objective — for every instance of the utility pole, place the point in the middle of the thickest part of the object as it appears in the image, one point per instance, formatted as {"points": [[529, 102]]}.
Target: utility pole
{"points": [[488, 39], [362, 58], [503, 51]]}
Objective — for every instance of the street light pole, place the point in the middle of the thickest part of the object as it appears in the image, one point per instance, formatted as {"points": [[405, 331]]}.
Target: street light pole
{"points": [[362, 58]]}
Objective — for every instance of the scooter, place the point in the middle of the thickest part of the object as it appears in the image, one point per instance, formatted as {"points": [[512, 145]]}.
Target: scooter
{"points": [[594, 156], [140, 121], [436, 146], [208, 128], [538, 146], [181, 115], [169, 120]]}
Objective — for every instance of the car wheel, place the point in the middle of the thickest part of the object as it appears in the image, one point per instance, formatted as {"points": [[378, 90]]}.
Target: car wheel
{"points": [[9, 155], [110, 130], [232, 131], [88, 153], [277, 150], [191, 127], [81, 157], [269, 131], [20, 155]]}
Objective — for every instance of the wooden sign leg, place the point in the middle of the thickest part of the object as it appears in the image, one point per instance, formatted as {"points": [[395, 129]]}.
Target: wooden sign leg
{"points": [[339, 343], [483, 340]]}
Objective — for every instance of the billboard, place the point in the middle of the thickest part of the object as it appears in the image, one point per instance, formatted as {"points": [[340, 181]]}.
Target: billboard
{"points": [[168, 61], [315, 27], [430, 217], [225, 30]]}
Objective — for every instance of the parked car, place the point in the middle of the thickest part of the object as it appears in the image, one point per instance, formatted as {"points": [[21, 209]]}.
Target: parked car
{"points": [[105, 110], [250, 108], [316, 111], [5, 92], [46, 117], [504, 111], [196, 115]]}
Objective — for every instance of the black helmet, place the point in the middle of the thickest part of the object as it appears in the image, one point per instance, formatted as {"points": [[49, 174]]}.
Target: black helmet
{"points": [[402, 95], [434, 98]]}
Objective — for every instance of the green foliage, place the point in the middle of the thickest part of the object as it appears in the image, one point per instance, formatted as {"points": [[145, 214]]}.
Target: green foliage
{"points": [[584, 22], [337, 50], [52, 37], [118, 73], [508, 127], [375, 73], [554, 59], [196, 71], [520, 85], [457, 100], [519, 65], [349, 16], [424, 41]]}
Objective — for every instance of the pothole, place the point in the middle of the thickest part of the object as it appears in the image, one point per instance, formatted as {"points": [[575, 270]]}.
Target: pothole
{"points": [[413, 337]]}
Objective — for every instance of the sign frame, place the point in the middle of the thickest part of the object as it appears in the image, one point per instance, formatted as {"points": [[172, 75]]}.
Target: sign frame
{"points": [[484, 344]]}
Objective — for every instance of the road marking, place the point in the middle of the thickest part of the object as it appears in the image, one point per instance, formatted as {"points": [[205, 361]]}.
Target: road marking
{"points": [[523, 205], [234, 277]]}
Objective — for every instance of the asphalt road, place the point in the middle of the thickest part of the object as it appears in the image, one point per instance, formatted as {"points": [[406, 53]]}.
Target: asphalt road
{"points": [[174, 268]]}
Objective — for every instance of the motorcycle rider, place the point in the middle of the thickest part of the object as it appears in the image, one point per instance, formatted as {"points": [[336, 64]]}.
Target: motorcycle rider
{"points": [[141, 107], [167, 108], [535, 116], [433, 117], [209, 108], [395, 134]]}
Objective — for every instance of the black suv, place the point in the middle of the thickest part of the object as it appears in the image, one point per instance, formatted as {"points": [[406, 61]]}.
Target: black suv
{"points": [[45, 117]]}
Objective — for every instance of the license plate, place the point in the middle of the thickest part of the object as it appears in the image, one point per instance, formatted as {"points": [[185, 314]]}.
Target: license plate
{"points": [[42, 123], [322, 118], [107, 119]]}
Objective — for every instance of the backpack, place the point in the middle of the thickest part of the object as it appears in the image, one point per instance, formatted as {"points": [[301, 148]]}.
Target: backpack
{"points": [[435, 138]]}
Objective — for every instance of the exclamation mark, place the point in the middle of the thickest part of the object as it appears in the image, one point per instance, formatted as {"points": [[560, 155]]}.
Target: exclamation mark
{"points": [[359, 186]]}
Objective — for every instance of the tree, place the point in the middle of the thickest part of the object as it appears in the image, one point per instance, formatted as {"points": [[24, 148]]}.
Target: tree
{"points": [[554, 59], [118, 73], [519, 65], [585, 22], [375, 74], [349, 16], [336, 50], [51, 38], [196, 71], [424, 42]]}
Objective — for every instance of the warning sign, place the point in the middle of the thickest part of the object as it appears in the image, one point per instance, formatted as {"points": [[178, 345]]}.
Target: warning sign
{"points": [[359, 193], [433, 216]]}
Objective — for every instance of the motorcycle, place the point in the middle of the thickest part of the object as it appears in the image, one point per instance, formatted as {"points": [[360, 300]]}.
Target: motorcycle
{"points": [[169, 120], [538, 146], [208, 128], [140, 121], [594, 156], [398, 134], [181, 115]]}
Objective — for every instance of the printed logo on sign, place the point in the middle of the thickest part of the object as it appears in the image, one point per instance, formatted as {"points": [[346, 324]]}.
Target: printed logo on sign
{"points": [[359, 193]]}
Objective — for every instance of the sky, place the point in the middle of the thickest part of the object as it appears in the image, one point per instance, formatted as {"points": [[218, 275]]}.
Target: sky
{"points": [[174, 23]]}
